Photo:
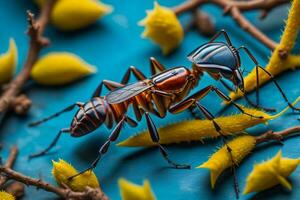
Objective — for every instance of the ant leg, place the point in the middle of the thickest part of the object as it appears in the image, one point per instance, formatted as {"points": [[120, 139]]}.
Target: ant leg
{"points": [[112, 137], [210, 117], [247, 98], [51, 145], [155, 138], [279, 88], [201, 94], [136, 72], [256, 105], [192, 101], [69, 108], [218, 34], [228, 99], [155, 66], [110, 85]]}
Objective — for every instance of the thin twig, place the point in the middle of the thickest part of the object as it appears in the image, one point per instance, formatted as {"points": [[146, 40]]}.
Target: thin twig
{"points": [[9, 164], [241, 5], [235, 8], [37, 42], [250, 28], [278, 136], [88, 194]]}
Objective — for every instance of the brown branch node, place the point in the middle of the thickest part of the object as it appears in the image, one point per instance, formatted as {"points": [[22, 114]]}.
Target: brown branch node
{"points": [[277, 136]]}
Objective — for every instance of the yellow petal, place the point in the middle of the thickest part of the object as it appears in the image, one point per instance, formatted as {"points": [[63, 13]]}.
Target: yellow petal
{"points": [[131, 191], [6, 196], [8, 62], [270, 173], [221, 160], [62, 171], [163, 28], [60, 68], [71, 15]]}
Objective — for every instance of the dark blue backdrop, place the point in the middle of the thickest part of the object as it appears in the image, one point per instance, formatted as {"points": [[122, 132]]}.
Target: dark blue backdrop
{"points": [[113, 44]]}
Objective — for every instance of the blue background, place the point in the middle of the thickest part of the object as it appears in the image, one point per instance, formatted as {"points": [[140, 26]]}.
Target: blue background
{"points": [[113, 44]]}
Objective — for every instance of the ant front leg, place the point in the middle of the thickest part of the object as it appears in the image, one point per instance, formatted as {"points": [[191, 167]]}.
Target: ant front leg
{"points": [[104, 148], [155, 138], [257, 104], [218, 34]]}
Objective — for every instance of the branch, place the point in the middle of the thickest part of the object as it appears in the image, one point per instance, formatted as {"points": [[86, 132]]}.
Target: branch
{"points": [[234, 8], [250, 28], [89, 194], [37, 42], [8, 173], [241, 5], [278, 136], [9, 164]]}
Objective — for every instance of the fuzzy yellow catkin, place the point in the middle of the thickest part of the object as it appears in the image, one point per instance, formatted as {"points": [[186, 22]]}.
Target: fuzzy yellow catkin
{"points": [[270, 173], [276, 64], [241, 146], [163, 28], [131, 191], [6, 196], [195, 130], [59, 68], [62, 171], [8, 62]]}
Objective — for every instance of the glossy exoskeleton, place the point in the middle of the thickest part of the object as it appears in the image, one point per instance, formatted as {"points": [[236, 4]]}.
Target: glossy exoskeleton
{"points": [[165, 91]]}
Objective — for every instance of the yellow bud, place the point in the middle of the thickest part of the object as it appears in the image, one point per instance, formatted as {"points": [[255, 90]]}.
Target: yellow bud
{"points": [[221, 160], [8, 62], [131, 191], [163, 27], [69, 15], [60, 68], [270, 173], [6, 196], [62, 171]]}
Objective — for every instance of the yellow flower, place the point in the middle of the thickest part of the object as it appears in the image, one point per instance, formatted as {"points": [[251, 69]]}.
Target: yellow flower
{"points": [[62, 171], [163, 27], [6, 196], [131, 191], [276, 64], [8, 62], [69, 15], [60, 68], [221, 160], [195, 130], [270, 173]]}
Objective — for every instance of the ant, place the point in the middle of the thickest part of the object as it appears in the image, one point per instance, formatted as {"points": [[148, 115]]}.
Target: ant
{"points": [[166, 91]]}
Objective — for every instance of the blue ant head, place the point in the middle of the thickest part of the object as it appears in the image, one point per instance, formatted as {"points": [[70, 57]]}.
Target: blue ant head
{"points": [[220, 61]]}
